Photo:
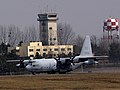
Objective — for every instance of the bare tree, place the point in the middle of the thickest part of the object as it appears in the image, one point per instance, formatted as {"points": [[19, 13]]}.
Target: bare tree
{"points": [[103, 47], [13, 35], [94, 43], [3, 34], [65, 34], [114, 52], [30, 34], [77, 42], [99, 46], [94, 40]]}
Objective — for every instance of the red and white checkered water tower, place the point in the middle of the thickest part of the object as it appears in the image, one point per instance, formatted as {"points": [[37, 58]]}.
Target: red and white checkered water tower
{"points": [[110, 29]]}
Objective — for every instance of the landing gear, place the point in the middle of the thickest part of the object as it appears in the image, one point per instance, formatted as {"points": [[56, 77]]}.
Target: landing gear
{"points": [[51, 72], [33, 73], [62, 72]]}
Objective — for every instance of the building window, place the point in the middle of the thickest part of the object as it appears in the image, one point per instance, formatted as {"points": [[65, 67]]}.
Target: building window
{"points": [[51, 43], [37, 49], [69, 49], [50, 28], [54, 39], [44, 54], [31, 55], [50, 39], [56, 49], [17, 50], [31, 50], [44, 49], [62, 49]]}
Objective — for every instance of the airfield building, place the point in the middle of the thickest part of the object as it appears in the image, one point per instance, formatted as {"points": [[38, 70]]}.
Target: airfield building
{"points": [[48, 28], [32, 48], [48, 43]]}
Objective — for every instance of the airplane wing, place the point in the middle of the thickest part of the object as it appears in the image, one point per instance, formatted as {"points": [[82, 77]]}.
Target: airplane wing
{"points": [[79, 58], [100, 57], [93, 57], [13, 61], [21, 63], [9, 61]]}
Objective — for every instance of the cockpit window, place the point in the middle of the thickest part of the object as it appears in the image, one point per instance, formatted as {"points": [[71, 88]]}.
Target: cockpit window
{"points": [[33, 65]]}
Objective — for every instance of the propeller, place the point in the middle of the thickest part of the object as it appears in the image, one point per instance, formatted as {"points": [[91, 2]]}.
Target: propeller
{"points": [[72, 60], [21, 64]]}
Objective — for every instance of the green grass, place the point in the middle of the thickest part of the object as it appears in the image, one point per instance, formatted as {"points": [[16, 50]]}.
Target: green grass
{"points": [[95, 81]]}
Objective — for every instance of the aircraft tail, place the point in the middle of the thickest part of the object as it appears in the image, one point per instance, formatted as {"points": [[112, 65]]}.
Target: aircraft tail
{"points": [[86, 53], [86, 48]]}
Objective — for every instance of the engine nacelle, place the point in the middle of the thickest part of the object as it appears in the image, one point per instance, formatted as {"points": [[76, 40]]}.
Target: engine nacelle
{"points": [[64, 66], [90, 62]]}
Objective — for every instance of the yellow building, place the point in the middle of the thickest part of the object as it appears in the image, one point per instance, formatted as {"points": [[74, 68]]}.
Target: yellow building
{"points": [[30, 49]]}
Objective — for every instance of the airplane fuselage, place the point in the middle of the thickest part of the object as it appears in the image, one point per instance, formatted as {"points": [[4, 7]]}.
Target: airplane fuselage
{"points": [[62, 65], [48, 65]]}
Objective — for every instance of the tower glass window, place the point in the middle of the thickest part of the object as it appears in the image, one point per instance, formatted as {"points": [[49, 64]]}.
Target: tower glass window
{"points": [[51, 15]]}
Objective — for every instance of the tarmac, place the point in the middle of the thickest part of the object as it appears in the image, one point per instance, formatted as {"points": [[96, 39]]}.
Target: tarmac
{"points": [[101, 69]]}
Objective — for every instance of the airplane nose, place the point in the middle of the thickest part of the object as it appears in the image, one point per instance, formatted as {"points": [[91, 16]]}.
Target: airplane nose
{"points": [[28, 67]]}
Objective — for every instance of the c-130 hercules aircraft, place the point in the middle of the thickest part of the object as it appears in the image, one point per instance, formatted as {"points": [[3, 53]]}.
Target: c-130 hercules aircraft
{"points": [[61, 65]]}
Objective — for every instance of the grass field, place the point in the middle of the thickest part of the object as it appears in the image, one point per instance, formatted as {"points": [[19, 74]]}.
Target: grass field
{"points": [[86, 81]]}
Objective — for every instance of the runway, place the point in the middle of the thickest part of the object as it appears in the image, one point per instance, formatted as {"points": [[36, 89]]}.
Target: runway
{"points": [[77, 71], [98, 70], [73, 81]]}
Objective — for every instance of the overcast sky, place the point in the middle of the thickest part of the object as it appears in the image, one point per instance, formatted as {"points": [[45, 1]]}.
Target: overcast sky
{"points": [[84, 16]]}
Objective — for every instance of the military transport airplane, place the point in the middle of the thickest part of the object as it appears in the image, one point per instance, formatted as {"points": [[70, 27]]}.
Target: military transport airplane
{"points": [[61, 65]]}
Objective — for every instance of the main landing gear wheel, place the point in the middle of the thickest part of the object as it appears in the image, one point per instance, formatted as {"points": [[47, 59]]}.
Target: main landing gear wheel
{"points": [[33, 73]]}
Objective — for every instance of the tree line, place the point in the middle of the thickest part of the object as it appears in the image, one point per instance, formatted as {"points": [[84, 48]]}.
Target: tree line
{"points": [[12, 36]]}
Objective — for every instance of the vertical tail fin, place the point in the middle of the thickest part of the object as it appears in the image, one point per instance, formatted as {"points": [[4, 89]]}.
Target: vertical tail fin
{"points": [[86, 48]]}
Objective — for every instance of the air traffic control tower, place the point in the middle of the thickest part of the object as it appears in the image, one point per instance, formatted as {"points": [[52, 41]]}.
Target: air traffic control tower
{"points": [[48, 28]]}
